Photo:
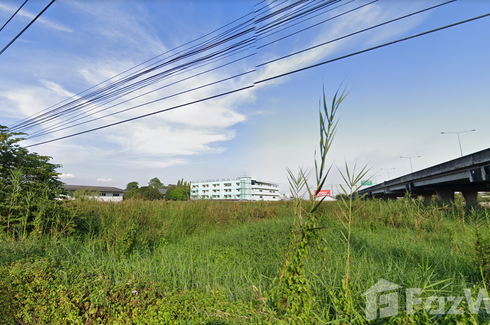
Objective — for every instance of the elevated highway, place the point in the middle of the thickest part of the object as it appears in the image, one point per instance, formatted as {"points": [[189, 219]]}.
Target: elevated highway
{"points": [[469, 175]]}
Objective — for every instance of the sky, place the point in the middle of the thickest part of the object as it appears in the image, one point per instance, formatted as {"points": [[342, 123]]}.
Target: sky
{"points": [[400, 97]]}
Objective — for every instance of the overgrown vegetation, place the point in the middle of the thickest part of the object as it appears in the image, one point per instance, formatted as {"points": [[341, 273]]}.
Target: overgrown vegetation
{"points": [[144, 193], [28, 188], [179, 192], [291, 295], [213, 262], [206, 261]]}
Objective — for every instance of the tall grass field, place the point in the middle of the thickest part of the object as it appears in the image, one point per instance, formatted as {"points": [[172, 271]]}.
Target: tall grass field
{"points": [[212, 262]]}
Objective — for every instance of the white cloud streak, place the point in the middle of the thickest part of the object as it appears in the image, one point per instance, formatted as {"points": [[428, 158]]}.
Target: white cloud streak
{"points": [[42, 21], [67, 176], [104, 180]]}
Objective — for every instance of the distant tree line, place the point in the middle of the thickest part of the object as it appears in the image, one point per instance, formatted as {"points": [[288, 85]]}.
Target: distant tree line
{"points": [[179, 192]]}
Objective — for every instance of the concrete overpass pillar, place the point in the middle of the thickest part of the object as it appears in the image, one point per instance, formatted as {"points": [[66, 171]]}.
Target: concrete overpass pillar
{"points": [[471, 197], [445, 195]]}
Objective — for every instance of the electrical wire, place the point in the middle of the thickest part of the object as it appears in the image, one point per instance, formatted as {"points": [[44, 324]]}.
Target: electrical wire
{"points": [[96, 98], [98, 92], [370, 49], [266, 32], [25, 28], [155, 77], [53, 129], [267, 79], [125, 71], [171, 84], [115, 94], [63, 110], [319, 23], [156, 100], [67, 110], [13, 15], [145, 115], [354, 33]]}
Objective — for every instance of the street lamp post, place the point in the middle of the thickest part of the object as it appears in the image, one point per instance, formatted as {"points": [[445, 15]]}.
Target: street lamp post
{"points": [[388, 171], [331, 188], [459, 140], [411, 161]]}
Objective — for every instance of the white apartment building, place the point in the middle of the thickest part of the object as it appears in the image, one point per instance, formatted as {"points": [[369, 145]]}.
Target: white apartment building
{"points": [[243, 189]]}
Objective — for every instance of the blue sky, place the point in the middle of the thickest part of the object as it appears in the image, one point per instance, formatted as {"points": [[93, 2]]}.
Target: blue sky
{"points": [[401, 96]]}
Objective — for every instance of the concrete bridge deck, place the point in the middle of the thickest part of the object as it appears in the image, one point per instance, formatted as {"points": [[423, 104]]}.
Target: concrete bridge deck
{"points": [[469, 175]]}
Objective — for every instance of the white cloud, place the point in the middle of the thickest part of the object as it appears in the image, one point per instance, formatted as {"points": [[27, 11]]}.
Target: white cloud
{"points": [[42, 21], [27, 100], [104, 180], [56, 89], [67, 176]]}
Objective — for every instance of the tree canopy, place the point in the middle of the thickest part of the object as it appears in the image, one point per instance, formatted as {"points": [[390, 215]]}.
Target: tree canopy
{"points": [[145, 193], [37, 171], [155, 183], [132, 186], [179, 192], [29, 185]]}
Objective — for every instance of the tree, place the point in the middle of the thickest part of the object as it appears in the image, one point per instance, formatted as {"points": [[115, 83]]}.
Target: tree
{"points": [[177, 194], [170, 188], [155, 183], [145, 193], [132, 186], [181, 187], [38, 172], [186, 186], [28, 186]]}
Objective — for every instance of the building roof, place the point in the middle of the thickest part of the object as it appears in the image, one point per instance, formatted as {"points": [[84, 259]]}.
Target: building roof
{"points": [[163, 190], [93, 188], [232, 180]]}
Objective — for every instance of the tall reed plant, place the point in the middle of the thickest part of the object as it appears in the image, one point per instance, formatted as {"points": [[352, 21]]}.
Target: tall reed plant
{"points": [[291, 294]]}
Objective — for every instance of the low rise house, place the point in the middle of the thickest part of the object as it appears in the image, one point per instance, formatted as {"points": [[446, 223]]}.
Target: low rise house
{"points": [[163, 191], [101, 193]]}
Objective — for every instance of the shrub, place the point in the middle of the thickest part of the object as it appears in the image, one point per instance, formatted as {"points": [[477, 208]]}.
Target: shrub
{"points": [[145, 193], [177, 194]]}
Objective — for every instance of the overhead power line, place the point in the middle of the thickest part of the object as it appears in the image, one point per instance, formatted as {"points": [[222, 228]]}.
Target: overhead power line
{"points": [[69, 108], [266, 79], [174, 58], [371, 48], [64, 128], [25, 28], [145, 115], [77, 118], [319, 23], [82, 102], [127, 70], [232, 46], [269, 31], [87, 100], [15, 13], [35, 134], [354, 33]]}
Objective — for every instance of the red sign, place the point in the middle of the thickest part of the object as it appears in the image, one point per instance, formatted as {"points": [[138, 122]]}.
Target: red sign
{"points": [[323, 193]]}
